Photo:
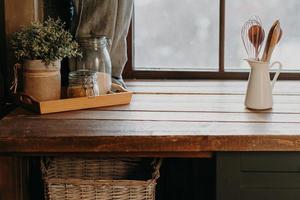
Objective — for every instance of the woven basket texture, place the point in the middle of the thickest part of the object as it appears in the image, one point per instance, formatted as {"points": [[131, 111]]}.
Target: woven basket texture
{"points": [[99, 179]]}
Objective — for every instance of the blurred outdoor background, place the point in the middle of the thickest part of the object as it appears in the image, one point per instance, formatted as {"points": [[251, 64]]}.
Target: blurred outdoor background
{"points": [[184, 35]]}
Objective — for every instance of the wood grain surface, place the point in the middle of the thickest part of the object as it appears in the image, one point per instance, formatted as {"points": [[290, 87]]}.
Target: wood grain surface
{"points": [[165, 118]]}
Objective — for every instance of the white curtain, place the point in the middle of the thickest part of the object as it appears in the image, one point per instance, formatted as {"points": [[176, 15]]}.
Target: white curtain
{"points": [[110, 18]]}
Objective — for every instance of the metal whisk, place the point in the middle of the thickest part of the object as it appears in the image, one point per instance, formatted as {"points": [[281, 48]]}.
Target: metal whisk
{"points": [[253, 35]]}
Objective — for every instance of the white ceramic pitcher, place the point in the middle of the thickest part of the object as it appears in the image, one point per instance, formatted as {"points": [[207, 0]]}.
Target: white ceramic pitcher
{"points": [[259, 90]]}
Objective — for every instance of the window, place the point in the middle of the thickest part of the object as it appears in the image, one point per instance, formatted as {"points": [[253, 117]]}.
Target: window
{"points": [[180, 35], [287, 11], [201, 38]]}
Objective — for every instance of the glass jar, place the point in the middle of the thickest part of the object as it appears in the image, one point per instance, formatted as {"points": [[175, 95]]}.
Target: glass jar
{"points": [[95, 57], [83, 83]]}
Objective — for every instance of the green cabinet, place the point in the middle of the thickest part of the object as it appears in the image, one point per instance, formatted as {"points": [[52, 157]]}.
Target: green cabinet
{"points": [[258, 175]]}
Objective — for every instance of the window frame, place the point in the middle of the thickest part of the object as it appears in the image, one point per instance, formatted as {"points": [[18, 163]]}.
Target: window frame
{"points": [[131, 73]]}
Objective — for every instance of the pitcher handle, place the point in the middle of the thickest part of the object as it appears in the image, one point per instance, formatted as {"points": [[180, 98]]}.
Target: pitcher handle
{"points": [[277, 73]]}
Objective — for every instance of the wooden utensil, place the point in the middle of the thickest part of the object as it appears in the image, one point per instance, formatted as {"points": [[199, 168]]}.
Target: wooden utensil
{"points": [[269, 40], [272, 40]]}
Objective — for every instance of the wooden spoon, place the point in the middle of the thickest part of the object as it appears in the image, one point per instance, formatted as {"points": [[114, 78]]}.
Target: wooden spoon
{"points": [[256, 35], [272, 40]]}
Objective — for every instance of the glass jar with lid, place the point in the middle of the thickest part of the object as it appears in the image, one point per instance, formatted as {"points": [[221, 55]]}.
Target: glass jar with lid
{"points": [[95, 57], [83, 83]]}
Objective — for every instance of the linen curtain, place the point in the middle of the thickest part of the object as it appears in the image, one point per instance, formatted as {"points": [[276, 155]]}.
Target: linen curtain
{"points": [[110, 18]]}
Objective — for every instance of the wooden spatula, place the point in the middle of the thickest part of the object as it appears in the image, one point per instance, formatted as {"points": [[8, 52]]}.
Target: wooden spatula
{"points": [[273, 38]]}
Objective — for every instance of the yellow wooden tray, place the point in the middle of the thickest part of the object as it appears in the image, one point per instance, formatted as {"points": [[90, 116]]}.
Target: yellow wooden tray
{"points": [[121, 96]]}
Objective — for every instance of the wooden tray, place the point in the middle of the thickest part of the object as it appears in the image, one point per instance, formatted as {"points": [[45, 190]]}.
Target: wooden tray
{"points": [[120, 96]]}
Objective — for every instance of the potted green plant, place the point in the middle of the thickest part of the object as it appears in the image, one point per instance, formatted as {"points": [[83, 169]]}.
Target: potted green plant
{"points": [[39, 48]]}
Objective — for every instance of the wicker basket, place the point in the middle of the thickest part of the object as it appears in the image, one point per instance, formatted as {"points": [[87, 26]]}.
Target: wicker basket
{"points": [[97, 179]]}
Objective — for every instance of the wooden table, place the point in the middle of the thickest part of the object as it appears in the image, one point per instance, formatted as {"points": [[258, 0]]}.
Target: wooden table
{"points": [[164, 119]]}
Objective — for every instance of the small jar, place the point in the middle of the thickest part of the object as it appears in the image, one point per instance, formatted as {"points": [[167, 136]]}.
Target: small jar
{"points": [[83, 83]]}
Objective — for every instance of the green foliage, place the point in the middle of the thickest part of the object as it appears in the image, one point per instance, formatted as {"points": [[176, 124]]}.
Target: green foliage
{"points": [[47, 41]]}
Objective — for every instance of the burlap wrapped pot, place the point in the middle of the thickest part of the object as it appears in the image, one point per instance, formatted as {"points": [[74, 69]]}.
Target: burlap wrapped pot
{"points": [[41, 81]]}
